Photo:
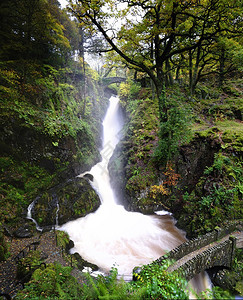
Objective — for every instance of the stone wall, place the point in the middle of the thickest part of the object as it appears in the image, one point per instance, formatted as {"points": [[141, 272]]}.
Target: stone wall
{"points": [[199, 242], [220, 255]]}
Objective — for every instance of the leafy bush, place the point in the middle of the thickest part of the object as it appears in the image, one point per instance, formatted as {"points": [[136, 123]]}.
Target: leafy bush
{"points": [[54, 282], [153, 282], [106, 287], [175, 131], [160, 284], [217, 196]]}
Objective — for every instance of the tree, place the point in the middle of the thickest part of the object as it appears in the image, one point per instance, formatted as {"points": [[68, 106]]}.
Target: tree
{"points": [[31, 31], [154, 32]]}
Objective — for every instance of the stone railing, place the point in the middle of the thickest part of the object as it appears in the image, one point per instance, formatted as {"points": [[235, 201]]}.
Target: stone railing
{"points": [[221, 254], [109, 80], [199, 242]]}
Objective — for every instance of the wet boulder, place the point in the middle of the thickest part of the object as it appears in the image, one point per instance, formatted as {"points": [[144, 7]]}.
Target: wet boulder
{"points": [[65, 202], [24, 231], [82, 263]]}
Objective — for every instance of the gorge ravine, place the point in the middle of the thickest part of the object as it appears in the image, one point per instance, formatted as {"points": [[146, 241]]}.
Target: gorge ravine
{"points": [[113, 237]]}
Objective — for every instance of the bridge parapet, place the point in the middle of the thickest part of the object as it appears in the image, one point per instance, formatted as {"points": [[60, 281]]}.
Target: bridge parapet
{"points": [[199, 242], [109, 80], [220, 255]]}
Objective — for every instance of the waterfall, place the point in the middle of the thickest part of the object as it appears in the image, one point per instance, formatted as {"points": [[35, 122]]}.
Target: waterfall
{"points": [[29, 214], [30, 208], [112, 236]]}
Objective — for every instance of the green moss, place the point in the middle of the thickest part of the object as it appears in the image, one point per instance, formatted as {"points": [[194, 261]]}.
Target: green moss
{"points": [[78, 210], [28, 264], [232, 134], [216, 197], [62, 238], [211, 132], [228, 133], [141, 139], [20, 182]]}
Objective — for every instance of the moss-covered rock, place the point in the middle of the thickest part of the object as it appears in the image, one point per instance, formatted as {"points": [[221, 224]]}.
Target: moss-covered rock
{"points": [[3, 247], [217, 196], [27, 265], [72, 153], [193, 159], [229, 280], [82, 263], [65, 202]]}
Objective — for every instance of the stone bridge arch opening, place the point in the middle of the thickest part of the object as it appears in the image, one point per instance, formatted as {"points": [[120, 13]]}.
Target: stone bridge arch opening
{"points": [[107, 81]]}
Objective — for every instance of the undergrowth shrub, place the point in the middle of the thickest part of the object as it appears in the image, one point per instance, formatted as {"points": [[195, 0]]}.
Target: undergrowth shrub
{"points": [[160, 284], [175, 131], [153, 282], [216, 197], [53, 282]]}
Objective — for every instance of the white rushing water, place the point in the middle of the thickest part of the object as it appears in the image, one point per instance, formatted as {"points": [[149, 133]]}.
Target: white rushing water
{"points": [[112, 236]]}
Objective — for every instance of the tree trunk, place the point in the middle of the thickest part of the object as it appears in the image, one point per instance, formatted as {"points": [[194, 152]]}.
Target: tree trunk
{"points": [[194, 74], [169, 76], [221, 67], [190, 71], [161, 96]]}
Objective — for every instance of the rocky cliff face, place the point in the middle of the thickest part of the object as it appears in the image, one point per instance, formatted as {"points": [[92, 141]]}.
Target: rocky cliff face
{"points": [[117, 169], [193, 159], [28, 144], [190, 164], [37, 165]]}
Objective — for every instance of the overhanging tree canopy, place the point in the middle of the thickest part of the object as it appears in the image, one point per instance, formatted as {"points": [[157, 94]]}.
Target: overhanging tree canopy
{"points": [[152, 32]]}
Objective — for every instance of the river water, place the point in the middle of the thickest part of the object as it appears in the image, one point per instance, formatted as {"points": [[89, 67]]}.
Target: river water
{"points": [[112, 236]]}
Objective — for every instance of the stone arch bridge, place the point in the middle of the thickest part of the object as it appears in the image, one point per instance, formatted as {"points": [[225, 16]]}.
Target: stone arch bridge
{"points": [[214, 249], [105, 81]]}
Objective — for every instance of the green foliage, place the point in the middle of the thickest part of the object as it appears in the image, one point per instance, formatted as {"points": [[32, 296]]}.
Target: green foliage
{"points": [[174, 130], [160, 284], [124, 90], [216, 197], [34, 31], [43, 105], [152, 283], [53, 282], [237, 270], [106, 287], [20, 182], [128, 91], [238, 263], [215, 293]]}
